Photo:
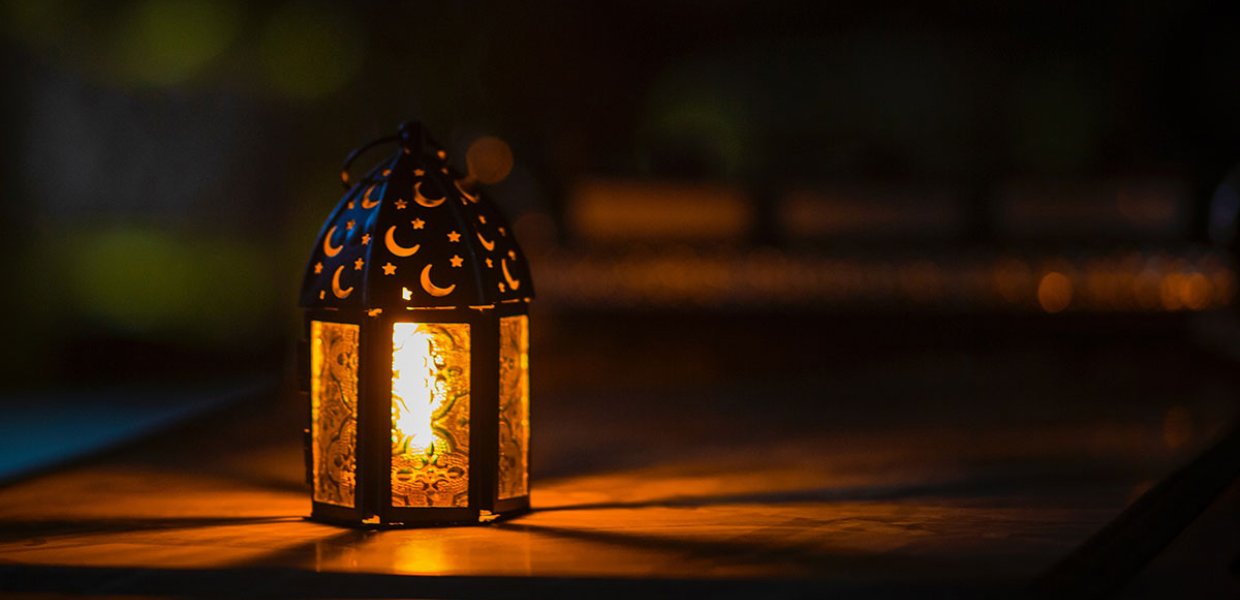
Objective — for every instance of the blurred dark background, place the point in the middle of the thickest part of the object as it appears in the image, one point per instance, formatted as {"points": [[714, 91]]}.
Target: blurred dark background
{"points": [[977, 251], [676, 165]]}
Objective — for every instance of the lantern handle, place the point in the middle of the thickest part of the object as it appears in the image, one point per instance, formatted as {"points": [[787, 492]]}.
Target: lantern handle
{"points": [[411, 135]]}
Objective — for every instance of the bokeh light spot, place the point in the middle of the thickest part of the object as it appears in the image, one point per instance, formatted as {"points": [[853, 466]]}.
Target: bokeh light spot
{"points": [[489, 159], [1054, 292], [158, 284], [697, 123], [1177, 427], [1169, 292], [163, 42], [310, 49], [1013, 280], [1224, 211]]}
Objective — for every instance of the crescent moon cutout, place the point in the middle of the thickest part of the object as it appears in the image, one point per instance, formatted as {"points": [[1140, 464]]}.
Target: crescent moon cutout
{"points": [[327, 244], [366, 202], [341, 293], [390, 241], [430, 287], [468, 196], [423, 200], [513, 284], [486, 244]]}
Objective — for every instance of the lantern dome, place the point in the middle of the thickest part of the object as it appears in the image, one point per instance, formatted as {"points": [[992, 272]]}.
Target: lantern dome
{"points": [[414, 233]]}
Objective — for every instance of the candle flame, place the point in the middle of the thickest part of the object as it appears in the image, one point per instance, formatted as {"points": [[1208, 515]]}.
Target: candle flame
{"points": [[414, 400]]}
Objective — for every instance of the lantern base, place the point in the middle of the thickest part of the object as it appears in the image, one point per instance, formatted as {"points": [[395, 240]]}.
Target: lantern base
{"points": [[399, 518]]}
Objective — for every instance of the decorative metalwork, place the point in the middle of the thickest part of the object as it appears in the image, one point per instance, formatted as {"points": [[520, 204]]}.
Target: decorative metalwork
{"points": [[333, 412], [437, 229], [430, 414], [418, 252], [514, 406]]}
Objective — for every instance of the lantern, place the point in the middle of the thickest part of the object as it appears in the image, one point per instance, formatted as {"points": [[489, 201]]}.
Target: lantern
{"points": [[415, 358]]}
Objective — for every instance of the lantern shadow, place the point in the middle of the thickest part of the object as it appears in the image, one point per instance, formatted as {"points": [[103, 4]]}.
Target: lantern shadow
{"points": [[263, 481], [769, 544], [827, 494], [313, 551], [12, 530], [997, 485]]}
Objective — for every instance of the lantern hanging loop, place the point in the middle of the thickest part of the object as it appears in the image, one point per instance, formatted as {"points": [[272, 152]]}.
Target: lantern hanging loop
{"points": [[412, 137]]}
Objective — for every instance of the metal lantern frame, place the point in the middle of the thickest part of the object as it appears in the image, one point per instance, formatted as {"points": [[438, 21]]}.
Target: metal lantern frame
{"points": [[481, 301], [374, 457]]}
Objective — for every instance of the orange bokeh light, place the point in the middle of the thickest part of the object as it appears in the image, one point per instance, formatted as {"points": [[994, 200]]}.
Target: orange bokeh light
{"points": [[1054, 292]]}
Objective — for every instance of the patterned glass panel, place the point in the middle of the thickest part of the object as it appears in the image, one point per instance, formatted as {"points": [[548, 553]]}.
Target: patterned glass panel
{"points": [[333, 411], [514, 406], [430, 414]]}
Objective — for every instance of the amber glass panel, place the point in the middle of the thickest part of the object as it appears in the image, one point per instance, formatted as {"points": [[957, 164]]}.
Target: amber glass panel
{"points": [[430, 414], [333, 411], [514, 406]]}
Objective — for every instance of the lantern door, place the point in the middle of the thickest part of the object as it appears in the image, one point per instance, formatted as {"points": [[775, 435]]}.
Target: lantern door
{"points": [[335, 390], [513, 452], [457, 415], [427, 407]]}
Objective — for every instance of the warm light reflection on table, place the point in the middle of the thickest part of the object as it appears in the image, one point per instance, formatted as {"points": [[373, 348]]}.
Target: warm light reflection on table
{"points": [[845, 505]]}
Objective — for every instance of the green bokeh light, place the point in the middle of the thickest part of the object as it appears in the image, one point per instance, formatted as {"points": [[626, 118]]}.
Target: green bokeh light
{"points": [[159, 285], [164, 42], [310, 49], [701, 110]]}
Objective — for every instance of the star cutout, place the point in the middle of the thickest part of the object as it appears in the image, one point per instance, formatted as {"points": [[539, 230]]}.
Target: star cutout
{"points": [[503, 232], [418, 223], [350, 205], [512, 255], [322, 294], [482, 219], [365, 239], [318, 268], [358, 264], [454, 237], [457, 261], [501, 287], [490, 265], [441, 154], [418, 172], [401, 204], [389, 269], [349, 225]]}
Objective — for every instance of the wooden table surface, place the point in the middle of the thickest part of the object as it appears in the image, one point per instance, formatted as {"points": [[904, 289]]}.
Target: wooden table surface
{"points": [[964, 469]]}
